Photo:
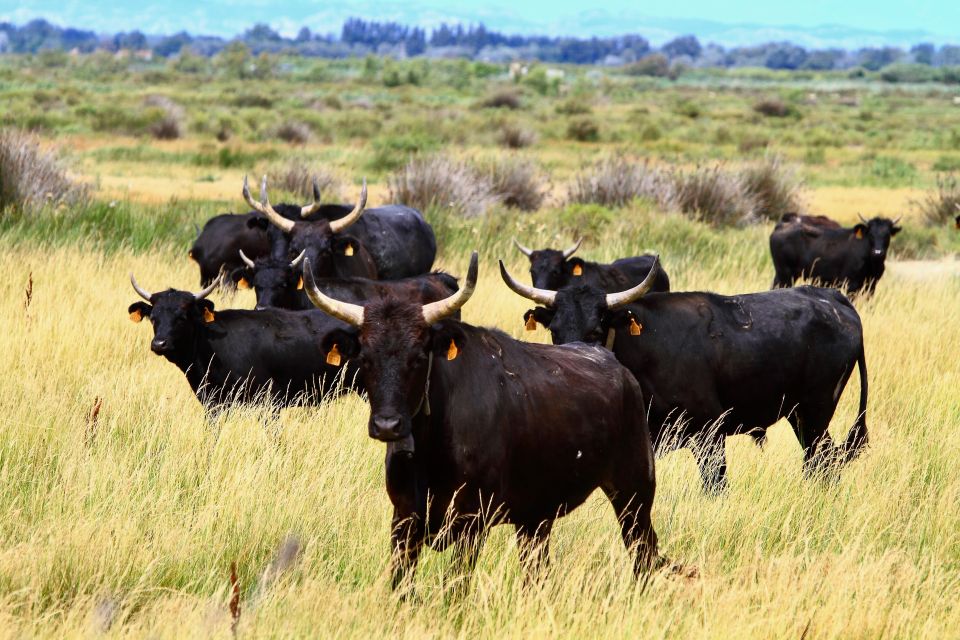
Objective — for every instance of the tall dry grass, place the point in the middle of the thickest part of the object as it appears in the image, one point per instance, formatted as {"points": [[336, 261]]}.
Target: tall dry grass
{"points": [[122, 509]]}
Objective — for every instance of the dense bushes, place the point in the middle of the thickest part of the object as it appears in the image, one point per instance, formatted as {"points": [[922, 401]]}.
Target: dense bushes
{"points": [[941, 206], [31, 177]]}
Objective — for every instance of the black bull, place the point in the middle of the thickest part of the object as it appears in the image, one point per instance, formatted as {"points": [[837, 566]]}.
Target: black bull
{"points": [[716, 365], [853, 258], [484, 429], [241, 356], [555, 269]]}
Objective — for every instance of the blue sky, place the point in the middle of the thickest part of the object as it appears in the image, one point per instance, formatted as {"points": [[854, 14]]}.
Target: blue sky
{"points": [[940, 18]]}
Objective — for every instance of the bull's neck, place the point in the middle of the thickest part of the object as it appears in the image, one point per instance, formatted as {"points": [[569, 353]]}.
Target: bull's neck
{"points": [[195, 361]]}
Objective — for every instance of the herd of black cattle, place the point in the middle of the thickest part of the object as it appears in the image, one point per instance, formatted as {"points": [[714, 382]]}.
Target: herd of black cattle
{"points": [[483, 429]]}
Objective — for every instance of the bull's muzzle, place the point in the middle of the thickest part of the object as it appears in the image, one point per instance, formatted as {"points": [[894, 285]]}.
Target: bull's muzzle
{"points": [[387, 428], [160, 346]]}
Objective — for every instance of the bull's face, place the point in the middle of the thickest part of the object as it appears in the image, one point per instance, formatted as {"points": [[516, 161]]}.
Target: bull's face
{"points": [[548, 269], [175, 316], [275, 281], [877, 233], [395, 340], [580, 313]]}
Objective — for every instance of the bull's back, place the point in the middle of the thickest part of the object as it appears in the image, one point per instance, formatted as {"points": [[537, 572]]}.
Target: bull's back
{"points": [[400, 240]]}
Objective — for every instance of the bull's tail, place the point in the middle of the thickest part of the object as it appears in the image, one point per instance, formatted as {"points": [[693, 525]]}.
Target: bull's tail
{"points": [[857, 438]]}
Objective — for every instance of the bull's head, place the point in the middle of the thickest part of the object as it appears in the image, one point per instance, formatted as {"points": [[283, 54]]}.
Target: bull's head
{"points": [[275, 281], [877, 233], [395, 340], [551, 268], [581, 313], [322, 240], [176, 316]]}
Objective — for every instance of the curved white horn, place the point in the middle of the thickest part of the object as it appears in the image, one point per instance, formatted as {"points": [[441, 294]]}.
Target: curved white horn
{"points": [[143, 293], [524, 250], [540, 296], [899, 218], [572, 250], [437, 311], [264, 206], [339, 225], [296, 261], [350, 313], [247, 261], [203, 293], [308, 210], [617, 300]]}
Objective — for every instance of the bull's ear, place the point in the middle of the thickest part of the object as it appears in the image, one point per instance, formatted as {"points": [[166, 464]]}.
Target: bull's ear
{"points": [[258, 222], [543, 315], [894, 230], [860, 231], [242, 278], [206, 310], [448, 340], [344, 245], [575, 266], [624, 319], [138, 311], [340, 344]]}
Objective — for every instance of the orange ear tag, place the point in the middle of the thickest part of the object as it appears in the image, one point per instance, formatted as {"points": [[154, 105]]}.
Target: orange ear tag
{"points": [[452, 352], [859, 234], [349, 250], [577, 270], [208, 316], [190, 255], [300, 283], [242, 283], [531, 323], [333, 356], [635, 328], [136, 315]]}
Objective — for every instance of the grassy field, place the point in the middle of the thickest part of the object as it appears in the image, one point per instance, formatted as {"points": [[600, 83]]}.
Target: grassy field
{"points": [[122, 509]]}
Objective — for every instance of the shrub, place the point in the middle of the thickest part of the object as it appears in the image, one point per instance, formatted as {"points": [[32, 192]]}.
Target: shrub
{"points": [[891, 170], [583, 130], [31, 177], [947, 163], [943, 205], [514, 136], [293, 132], [774, 187], [502, 100], [574, 107], [517, 183], [439, 181], [169, 125], [714, 196], [392, 152], [616, 181], [655, 64], [774, 108], [297, 177]]}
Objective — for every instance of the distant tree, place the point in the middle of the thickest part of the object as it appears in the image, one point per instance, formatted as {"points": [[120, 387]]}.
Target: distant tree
{"points": [[923, 53], [823, 59], [262, 33], [874, 59], [171, 45], [949, 55], [654, 64], [133, 40], [682, 46], [784, 55], [304, 35]]}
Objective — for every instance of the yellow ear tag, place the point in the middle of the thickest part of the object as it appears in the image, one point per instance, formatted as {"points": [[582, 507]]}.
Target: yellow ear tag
{"points": [[859, 234], [208, 315], [333, 357], [242, 283], [635, 328], [190, 255], [531, 323], [136, 315], [577, 270], [452, 352], [299, 283], [349, 250]]}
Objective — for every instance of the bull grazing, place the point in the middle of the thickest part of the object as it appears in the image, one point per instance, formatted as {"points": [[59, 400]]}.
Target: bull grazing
{"points": [[852, 259], [398, 241], [238, 356], [223, 236], [482, 429], [278, 282], [554, 269], [717, 365]]}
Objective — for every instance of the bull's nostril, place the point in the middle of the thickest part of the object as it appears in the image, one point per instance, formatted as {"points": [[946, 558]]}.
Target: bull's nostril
{"points": [[387, 426]]}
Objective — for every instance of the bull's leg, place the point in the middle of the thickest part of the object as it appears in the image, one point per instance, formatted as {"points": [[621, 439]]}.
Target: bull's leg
{"points": [[406, 543], [810, 426], [633, 506], [782, 279], [466, 550], [533, 544], [712, 461], [759, 437]]}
